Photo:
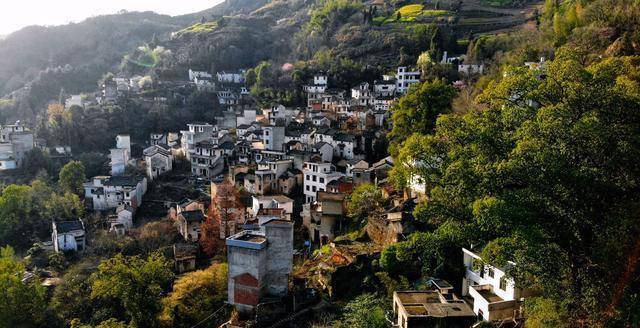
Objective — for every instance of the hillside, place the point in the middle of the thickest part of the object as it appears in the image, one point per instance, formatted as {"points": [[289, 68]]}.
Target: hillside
{"points": [[238, 34]]}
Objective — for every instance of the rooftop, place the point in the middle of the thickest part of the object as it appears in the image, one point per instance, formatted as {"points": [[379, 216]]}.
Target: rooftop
{"points": [[431, 303], [68, 226], [248, 239], [128, 181], [193, 216]]}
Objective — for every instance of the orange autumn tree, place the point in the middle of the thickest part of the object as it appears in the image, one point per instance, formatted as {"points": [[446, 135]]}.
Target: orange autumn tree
{"points": [[224, 216]]}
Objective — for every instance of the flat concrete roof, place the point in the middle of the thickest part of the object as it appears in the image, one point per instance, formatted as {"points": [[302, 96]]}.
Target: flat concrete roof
{"points": [[247, 239], [430, 304]]}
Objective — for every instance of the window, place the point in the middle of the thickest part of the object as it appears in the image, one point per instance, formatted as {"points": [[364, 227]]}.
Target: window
{"points": [[313, 189], [315, 178], [503, 283], [307, 187], [321, 180], [490, 272]]}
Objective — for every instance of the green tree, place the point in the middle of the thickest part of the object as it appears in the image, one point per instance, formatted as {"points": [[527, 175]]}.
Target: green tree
{"points": [[364, 200], [418, 110], [548, 167], [138, 284], [37, 161], [195, 296], [365, 311], [72, 176], [21, 304]]}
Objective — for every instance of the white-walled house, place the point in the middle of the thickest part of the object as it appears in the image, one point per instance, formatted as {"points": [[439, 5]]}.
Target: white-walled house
{"points": [[405, 78], [197, 132], [207, 160], [316, 90], [158, 160], [272, 202], [121, 155], [325, 149], [316, 177], [495, 295], [106, 192], [198, 74], [231, 77], [68, 236], [15, 141]]}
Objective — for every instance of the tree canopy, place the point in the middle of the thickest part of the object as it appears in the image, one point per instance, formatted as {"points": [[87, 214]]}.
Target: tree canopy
{"points": [[22, 303], [195, 296], [545, 176], [137, 283], [71, 177], [418, 110]]}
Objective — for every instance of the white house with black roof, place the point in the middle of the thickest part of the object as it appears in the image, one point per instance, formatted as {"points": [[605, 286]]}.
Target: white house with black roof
{"points": [[189, 223], [68, 236]]}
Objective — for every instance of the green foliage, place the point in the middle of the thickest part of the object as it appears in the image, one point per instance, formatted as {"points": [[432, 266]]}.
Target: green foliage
{"points": [[138, 284], [542, 312], [195, 296], [94, 163], [331, 13], [418, 110], [199, 28], [363, 201], [389, 260], [365, 311], [26, 212], [38, 160], [548, 187], [21, 304], [110, 323], [392, 285], [72, 56], [71, 177]]}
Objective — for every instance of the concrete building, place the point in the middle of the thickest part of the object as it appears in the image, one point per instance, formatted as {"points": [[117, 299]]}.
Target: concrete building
{"points": [[438, 307], [207, 160], [15, 141], [197, 132], [325, 150], [260, 263], [122, 220], [405, 78], [273, 137], [316, 90], [495, 296], [316, 178], [121, 155], [106, 192], [385, 88], [68, 236]]}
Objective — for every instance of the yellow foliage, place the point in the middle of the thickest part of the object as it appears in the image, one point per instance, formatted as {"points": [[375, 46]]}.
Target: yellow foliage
{"points": [[195, 295]]}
